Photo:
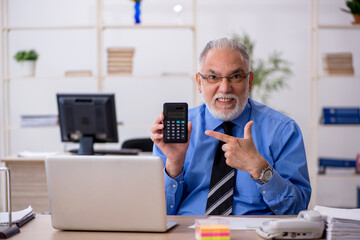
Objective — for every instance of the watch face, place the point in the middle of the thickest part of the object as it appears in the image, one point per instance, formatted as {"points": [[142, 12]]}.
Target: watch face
{"points": [[267, 174]]}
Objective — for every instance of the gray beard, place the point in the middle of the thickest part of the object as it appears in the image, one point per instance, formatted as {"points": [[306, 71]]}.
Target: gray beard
{"points": [[232, 114]]}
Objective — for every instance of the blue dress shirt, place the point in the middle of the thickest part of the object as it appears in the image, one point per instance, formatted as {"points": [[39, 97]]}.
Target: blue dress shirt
{"points": [[277, 138]]}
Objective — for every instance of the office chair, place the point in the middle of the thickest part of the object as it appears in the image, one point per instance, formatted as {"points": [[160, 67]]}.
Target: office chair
{"points": [[144, 144]]}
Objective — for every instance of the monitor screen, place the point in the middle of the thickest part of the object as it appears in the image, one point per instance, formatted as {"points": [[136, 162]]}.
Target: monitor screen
{"points": [[87, 119]]}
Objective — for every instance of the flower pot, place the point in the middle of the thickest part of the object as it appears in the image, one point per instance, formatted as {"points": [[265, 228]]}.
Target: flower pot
{"points": [[356, 18], [28, 68]]}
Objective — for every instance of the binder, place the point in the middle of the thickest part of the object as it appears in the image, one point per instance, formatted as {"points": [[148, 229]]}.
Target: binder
{"points": [[341, 115], [340, 120], [335, 163], [358, 197], [341, 112]]}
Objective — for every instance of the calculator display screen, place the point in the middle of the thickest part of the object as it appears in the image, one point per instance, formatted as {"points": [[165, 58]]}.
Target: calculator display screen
{"points": [[176, 114]]}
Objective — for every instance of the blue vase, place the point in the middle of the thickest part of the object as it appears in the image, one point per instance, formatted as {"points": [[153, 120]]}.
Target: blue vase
{"points": [[137, 12]]}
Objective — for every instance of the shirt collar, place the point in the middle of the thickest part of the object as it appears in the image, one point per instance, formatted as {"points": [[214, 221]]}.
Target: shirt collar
{"points": [[211, 123]]}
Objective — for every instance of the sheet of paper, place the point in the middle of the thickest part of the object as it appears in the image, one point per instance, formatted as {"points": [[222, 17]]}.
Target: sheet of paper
{"points": [[16, 216], [339, 213], [35, 154], [241, 223]]}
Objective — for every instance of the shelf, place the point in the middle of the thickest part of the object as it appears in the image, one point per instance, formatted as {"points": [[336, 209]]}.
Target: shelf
{"points": [[340, 76], [336, 90], [339, 125], [165, 76], [149, 26], [119, 124], [102, 33], [41, 78], [49, 27], [115, 26], [337, 27], [325, 176]]}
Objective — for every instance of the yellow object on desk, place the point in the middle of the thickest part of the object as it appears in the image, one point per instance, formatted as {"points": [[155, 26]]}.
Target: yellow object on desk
{"points": [[212, 229]]}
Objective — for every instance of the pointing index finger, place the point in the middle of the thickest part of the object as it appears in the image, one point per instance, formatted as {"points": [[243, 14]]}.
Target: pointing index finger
{"points": [[218, 135]]}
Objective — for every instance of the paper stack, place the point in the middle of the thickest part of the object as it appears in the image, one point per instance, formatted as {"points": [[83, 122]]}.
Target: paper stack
{"points": [[18, 217], [120, 60], [341, 223], [38, 120], [338, 64]]}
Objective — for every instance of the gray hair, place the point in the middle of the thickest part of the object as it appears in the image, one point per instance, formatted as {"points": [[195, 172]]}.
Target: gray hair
{"points": [[225, 43]]}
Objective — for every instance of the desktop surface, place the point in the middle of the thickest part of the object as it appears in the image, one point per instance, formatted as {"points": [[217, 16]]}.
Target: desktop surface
{"points": [[40, 229]]}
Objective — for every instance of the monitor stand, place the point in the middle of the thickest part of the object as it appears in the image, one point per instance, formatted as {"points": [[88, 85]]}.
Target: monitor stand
{"points": [[86, 146]]}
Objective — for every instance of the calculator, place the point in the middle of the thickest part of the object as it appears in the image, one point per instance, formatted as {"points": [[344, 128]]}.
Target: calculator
{"points": [[175, 122]]}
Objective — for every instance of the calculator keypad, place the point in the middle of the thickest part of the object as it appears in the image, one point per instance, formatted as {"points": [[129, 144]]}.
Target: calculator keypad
{"points": [[175, 131]]}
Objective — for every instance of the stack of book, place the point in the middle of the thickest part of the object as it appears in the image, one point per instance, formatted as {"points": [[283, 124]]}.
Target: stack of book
{"points": [[38, 120], [120, 60], [338, 64], [341, 223], [78, 73], [341, 115]]}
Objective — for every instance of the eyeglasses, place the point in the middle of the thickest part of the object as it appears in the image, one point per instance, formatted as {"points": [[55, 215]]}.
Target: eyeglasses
{"points": [[235, 78]]}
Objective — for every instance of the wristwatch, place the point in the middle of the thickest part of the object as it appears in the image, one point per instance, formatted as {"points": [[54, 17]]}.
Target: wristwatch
{"points": [[265, 175]]}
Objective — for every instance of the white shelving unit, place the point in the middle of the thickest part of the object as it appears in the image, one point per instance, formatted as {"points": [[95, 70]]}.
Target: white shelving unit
{"points": [[147, 75], [331, 190]]}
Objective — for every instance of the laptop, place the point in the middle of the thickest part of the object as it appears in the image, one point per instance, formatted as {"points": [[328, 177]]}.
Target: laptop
{"points": [[107, 193]]}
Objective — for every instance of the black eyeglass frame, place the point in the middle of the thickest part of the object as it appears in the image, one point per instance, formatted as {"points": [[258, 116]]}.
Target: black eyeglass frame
{"points": [[229, 78]]}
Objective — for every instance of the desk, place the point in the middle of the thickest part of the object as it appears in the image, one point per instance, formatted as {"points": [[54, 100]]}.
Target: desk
{"points": [[40, 229]]}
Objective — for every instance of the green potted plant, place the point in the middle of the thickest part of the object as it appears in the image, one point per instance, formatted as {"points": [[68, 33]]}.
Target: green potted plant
{"points": [[270, 75], [27, 59], [354, 9]]}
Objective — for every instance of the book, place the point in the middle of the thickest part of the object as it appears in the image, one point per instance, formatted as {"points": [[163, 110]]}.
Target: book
{"points": [[29, 154], [121, 64], [18, 217], [120, 55], [119, 61], [341, 111], [341, 55], [78, 73], [336, 162], [340, 120], [121, 49], [338, 64], [120, 73], [337, 166], [38, 120], [119, 68], [339, 72], [358, 196]]}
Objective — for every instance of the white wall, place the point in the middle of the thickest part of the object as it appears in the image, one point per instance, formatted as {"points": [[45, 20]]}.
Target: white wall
{"points": [[280, 25]]}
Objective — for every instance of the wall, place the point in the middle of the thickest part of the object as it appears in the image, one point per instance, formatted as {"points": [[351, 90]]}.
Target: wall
{"points": [[275, 25]]}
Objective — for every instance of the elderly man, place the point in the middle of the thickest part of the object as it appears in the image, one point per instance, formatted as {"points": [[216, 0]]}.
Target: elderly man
{"points": [[242, 157]]}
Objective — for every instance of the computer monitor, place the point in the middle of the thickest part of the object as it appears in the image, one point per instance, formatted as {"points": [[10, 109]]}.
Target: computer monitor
{"points": [[87, 119]]}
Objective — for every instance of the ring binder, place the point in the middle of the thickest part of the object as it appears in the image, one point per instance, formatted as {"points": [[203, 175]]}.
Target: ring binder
{"points": [[12, 229]]}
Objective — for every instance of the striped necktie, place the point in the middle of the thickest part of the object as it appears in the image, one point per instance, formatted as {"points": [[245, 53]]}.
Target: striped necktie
{"points": [[220, 197]]}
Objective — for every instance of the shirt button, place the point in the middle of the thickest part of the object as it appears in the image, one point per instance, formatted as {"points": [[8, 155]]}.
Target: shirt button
{"points": [[264, 192], [174, 185], [275, 210], [180, 182], [171, 206]]}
